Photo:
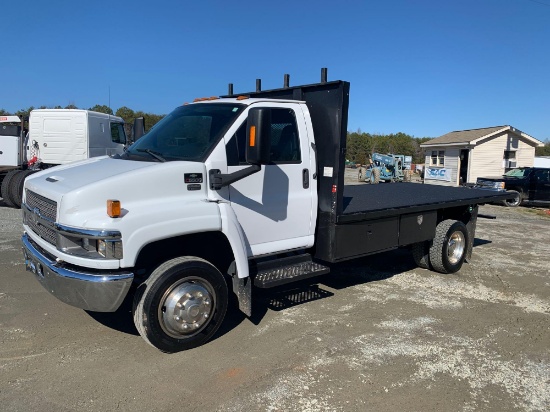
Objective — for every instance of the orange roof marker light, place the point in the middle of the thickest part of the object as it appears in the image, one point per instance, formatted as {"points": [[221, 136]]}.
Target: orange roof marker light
{"points": [[242, 97], [204, 99], [113, 208]]}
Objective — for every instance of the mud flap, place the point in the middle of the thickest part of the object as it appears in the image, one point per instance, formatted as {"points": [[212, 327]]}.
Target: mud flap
{"points": [[242, 288], [471, 227]]}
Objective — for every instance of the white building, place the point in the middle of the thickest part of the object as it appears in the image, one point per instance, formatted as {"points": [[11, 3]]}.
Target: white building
{"points": [[463, 156]]}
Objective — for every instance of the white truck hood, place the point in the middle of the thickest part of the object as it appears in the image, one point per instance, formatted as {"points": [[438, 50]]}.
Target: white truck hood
{"points": [[82, 189], [53, 183]]}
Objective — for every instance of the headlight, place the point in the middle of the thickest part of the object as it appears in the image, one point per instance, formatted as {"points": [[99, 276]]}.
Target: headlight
{"points": [[101, 248], [87, 243], [110, 249]]}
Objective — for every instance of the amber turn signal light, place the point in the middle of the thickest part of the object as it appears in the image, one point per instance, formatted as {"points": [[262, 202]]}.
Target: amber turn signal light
{"points": [[252, 141], [113, 208]]}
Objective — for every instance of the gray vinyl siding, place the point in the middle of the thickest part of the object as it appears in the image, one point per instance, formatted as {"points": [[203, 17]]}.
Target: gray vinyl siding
{"points": [[487, 156]]}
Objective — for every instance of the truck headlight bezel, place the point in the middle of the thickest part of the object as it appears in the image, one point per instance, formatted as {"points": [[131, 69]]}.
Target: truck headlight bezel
{"points": [[93, 244]]}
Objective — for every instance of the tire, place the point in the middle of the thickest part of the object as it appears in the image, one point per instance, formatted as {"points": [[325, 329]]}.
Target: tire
{"points": [[375, 176], [421, 254], [449, 246], [515, 202], [16, 187], [181, 305], [5, 189]]}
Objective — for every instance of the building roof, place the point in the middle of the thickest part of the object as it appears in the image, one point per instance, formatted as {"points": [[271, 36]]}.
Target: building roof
{"points": [[472, 136]]}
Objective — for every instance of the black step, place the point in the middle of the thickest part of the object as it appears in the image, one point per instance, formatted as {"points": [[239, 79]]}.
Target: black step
{"points": [[286, 270]]}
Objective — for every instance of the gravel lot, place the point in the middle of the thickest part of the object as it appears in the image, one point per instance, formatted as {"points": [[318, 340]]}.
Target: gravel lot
{"points": [[376, 334]]}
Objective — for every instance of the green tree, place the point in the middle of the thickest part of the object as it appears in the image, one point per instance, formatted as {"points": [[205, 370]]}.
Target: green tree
{"points": [[101, 108], [543, 150], [24, 112], [70, 106], [4, 112]]}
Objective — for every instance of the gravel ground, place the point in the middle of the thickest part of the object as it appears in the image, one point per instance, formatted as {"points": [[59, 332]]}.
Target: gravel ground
{"points": [[375, 334]]}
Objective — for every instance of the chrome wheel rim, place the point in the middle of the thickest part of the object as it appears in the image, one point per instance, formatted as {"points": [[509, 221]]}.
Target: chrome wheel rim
{"points": [[514, 201], [186, 307], [455, 247]]}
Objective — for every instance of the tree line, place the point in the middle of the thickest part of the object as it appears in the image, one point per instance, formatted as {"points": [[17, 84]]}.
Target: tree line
{"points": [[359, 145]]}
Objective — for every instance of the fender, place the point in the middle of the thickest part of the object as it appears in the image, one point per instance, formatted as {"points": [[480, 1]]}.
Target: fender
{"points": [[232, 229], [242, 285]]}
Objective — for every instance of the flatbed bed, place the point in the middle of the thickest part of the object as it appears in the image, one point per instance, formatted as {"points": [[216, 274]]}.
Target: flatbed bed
{"points": [[365, 202]]}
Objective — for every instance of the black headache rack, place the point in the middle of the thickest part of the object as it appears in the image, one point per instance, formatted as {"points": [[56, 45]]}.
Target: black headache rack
{"points": [[328, 104]]}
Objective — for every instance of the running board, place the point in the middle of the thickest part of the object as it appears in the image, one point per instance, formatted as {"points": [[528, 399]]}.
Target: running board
{"points": [[287, 270]]}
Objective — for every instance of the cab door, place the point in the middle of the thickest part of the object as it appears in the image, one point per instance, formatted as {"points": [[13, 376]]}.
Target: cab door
{"points": [[274, 206], [542, 185]]}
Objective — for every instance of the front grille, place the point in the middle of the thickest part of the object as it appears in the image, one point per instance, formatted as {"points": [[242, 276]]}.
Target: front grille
{"points": [[47, 209]]}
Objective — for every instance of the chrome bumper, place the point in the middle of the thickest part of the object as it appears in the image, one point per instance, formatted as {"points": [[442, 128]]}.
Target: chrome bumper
{"points": [[97, 292]]}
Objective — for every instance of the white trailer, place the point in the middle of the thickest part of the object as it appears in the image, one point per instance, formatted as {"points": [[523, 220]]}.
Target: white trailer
{"points": [[55, 137]]}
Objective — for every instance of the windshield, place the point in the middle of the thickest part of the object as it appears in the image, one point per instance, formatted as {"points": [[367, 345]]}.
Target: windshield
{"points": [[188, 133], [517, 172]]}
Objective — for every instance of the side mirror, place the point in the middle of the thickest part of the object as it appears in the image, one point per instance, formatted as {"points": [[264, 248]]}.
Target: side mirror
{"points": [[258, 136], [139, 128]]}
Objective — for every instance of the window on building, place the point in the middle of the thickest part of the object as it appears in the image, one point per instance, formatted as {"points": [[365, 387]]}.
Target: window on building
{"points": [[438, 158], [509, 160]]}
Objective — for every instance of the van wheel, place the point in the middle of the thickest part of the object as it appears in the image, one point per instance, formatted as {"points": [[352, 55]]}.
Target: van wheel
{"points": [[448, 249], [5, 189], [181, 305], [421, 254], [515, 201]]}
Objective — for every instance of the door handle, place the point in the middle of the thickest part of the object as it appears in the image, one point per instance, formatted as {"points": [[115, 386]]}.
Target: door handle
{"points": [[305, 178]]}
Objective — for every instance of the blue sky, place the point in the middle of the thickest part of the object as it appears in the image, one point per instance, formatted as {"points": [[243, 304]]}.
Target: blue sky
{"points": [[422, 67]]}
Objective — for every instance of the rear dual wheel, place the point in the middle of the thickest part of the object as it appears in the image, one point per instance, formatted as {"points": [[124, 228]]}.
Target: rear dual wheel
{"points": [[447, 251], [12, 187], [181, 305], [6, 185], [16, 187], [449, 246]]}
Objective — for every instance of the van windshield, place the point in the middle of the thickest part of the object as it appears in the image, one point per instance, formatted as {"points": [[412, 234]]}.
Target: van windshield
{"points": [[188, 133]]}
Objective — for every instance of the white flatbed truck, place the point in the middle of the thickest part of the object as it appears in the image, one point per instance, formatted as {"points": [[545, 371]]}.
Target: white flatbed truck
{"points": [[228, 194]]}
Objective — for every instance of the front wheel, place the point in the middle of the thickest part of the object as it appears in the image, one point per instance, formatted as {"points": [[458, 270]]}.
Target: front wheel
{"points": [[181, 305], [448, 249], [375, 176], [515, 201]]}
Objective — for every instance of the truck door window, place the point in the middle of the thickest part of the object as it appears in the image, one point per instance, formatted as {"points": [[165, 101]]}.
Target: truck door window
{"points": [[285, 142], [117, 133]]}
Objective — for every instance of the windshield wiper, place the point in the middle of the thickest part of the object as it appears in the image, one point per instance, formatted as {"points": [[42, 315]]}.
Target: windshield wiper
{"points": [[156, 155]]}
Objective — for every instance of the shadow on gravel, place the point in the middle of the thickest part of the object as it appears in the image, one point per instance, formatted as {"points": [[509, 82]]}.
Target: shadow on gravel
{"points": [[121, 320], [343, 275], [481, 242]]}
